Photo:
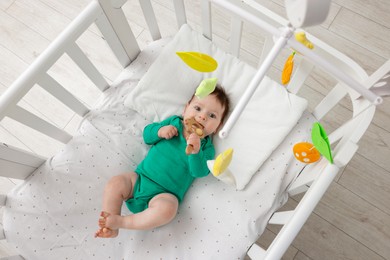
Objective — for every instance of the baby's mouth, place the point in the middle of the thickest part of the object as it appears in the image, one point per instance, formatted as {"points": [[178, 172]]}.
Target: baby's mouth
{"points": [[202, 126]]}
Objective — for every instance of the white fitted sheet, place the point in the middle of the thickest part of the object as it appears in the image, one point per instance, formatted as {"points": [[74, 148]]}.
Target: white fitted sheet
{"points": [[53, 215]]}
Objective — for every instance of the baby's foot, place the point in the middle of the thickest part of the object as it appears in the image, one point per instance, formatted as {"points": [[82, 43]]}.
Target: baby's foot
{"points": [[106, 228], [106, 233]]}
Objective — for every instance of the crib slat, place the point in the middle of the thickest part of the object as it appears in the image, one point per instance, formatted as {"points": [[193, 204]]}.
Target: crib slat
{"points": [[306, 177], [180, 12], [79, 57], [235, 36], [112, 40], [121, 31], [345, 153], [25, 117], [206, 19], [268, 44], [300, 75], [281, 218], [329, 101], [14, 154], [3, 199], [256, 252], [351, 132], [15, 170], [56, 89], [150, 17], [2, 234], [17, 163]]}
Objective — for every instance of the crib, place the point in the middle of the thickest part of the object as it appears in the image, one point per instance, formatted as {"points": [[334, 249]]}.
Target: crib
{"points": [[53, 213]]}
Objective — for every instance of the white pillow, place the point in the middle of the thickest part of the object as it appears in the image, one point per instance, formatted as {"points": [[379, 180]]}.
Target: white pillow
{"points": [[268, 118]]}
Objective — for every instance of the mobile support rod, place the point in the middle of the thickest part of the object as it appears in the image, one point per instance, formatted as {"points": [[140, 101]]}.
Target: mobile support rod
{"points": [[276, 49]]}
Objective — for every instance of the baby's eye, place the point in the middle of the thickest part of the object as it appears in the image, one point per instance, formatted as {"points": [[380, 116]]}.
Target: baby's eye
{"points": [[212, 115], [197, 108]]}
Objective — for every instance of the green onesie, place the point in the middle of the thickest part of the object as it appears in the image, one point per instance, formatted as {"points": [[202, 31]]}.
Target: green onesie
{"points": [[167, 168]]}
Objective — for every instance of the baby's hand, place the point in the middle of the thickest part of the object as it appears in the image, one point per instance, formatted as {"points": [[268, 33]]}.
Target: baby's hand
{"points": [[194, 141], [167, 132]]}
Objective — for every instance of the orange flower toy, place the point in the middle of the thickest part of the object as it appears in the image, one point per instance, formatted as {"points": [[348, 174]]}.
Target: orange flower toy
{"points": [[306, 152], [310, 153]]}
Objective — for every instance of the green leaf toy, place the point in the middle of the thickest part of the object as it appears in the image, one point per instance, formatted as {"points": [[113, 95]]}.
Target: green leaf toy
{"points": [[321, 142]]}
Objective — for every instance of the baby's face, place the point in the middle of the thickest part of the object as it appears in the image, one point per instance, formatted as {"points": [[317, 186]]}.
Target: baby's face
{"points": [[206, 111]]}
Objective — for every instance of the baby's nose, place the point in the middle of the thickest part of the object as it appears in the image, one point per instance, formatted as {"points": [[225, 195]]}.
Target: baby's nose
{"points": [[202, 117]]}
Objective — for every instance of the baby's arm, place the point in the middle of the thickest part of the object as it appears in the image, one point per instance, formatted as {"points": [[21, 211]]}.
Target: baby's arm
{"points": [[194, 141], [152, 133], [167, 132], [198, 161]]}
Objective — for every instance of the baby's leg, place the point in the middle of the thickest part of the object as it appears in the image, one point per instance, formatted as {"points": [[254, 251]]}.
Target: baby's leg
{"points": [[161, 210], [118, 189]]}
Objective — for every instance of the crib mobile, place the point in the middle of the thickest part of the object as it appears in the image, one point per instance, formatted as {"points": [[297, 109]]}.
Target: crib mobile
{"points": [[304, 152], [301, 13]]}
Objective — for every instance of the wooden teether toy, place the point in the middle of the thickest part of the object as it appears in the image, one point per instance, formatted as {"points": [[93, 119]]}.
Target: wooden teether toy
{"points": [[192, 126]]}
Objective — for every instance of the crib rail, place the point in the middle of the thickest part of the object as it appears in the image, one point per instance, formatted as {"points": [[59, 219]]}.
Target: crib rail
{"points": [[36, 74], [123, 45]]}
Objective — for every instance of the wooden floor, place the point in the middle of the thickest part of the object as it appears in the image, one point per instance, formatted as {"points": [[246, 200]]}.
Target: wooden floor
{"points": [[353, 219]]}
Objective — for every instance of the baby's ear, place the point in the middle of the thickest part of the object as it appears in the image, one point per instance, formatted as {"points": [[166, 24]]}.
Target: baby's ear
{"points": [[219, 127]]}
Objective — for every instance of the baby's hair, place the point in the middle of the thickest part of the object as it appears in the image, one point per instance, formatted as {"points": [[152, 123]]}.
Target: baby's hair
{"points": [[223, 99]]}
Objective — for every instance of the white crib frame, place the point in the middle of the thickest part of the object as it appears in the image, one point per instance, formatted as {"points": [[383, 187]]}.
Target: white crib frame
{"points": [[110, 19]]}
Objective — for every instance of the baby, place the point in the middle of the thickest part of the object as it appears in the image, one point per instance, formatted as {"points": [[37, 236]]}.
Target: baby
{"points": [[153, 192]]}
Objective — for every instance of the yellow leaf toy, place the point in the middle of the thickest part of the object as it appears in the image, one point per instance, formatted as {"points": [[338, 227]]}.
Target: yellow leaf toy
{"points": [[222, 162], [220, 167], [198, 61]]}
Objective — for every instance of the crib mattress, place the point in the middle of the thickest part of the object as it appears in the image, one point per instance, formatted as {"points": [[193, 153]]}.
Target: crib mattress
{"points": [[54, 213]]}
